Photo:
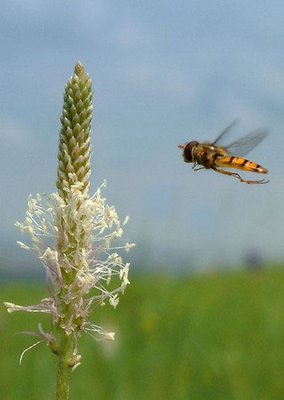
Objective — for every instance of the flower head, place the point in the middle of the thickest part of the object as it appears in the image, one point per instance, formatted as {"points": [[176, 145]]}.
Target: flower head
{"points": [[77, 237], [75, 136]]}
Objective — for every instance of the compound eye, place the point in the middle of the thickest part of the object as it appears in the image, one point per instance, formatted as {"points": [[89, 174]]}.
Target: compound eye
{"points": [[187, 152]]}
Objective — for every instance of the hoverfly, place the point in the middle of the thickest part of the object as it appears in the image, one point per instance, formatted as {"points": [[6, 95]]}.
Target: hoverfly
{"points": [[216, 157]]}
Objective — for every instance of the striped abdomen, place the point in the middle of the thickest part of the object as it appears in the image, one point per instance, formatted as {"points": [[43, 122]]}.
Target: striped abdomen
{"points": [[239, 163]]}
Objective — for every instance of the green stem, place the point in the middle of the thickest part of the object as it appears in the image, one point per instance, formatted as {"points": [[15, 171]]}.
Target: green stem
{"points": [[64, 367]]}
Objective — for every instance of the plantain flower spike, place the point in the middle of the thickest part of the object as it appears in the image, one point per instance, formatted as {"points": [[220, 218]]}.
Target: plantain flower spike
{"points": [[77, 237], [75, 136]]}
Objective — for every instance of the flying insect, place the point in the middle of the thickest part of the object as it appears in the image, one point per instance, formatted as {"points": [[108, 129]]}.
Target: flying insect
{"points": [[217, 157]]}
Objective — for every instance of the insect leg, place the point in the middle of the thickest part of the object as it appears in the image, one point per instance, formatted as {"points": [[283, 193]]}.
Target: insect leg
{"points": [[236, 175], [197, 167]]}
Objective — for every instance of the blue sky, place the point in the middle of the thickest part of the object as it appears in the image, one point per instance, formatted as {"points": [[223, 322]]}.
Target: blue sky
{"points": [[164, 73]]}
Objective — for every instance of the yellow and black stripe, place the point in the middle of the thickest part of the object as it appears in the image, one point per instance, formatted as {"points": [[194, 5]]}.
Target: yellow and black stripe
{"points": [[239, 163]]}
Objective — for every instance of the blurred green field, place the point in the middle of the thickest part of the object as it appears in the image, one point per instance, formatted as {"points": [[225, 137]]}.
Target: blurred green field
{"points": [[209, 336]]}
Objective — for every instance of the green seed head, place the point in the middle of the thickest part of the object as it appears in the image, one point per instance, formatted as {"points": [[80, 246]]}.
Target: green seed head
{"points": [[75, 139]]}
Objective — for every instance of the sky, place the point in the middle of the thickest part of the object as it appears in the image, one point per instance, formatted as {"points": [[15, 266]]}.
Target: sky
{"points": [[163, 73]]}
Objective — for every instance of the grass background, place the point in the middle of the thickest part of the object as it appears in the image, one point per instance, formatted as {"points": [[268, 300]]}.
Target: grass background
{"points": [[209, 336]]}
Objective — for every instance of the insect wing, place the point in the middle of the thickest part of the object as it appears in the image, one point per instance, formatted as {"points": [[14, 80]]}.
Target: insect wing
{"points": [[219, 140], [244, 145]]}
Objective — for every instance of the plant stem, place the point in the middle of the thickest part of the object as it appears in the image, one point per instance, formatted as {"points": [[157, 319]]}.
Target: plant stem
{"points": [[64, 367]]}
